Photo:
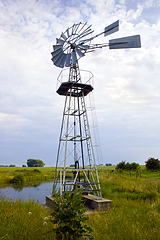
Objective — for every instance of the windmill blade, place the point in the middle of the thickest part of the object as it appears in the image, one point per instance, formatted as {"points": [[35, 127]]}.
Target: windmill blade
{"points": [[54, 53], [61, 58], [67, 32], [60, 41], [84, 33], [63, 36], [84, 47], [86, 30], [56, 57], [125, 42], [68, 60], [62, 63], [56, 47], [114, 27], [73, 28], [80, 54], [76, 28], [74, 57], [82, 27]]}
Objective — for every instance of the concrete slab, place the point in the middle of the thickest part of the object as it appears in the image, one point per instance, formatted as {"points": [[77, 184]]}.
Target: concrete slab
{"points": [[92, 203], [50, 201], [97, 204]]}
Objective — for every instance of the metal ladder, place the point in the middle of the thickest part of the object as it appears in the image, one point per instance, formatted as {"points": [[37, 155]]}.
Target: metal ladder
{"points": [[86, 126]]}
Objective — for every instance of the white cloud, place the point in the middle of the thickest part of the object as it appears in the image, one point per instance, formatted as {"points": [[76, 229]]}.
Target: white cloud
{"points": [[126, 81]]}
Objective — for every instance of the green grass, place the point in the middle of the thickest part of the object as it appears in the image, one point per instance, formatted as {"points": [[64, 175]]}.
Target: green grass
{"points": [[46, 173], [127, 220], [29, 173], [135, 213], [23, 220]]}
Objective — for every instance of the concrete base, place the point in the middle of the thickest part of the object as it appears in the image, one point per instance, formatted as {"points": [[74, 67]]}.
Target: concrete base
{"points": [[97, 204], [50, 201], [91, 202]]}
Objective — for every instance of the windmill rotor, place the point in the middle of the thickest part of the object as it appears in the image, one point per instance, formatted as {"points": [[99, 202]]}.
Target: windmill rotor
{"points": [[74, 43], [68, 48]]}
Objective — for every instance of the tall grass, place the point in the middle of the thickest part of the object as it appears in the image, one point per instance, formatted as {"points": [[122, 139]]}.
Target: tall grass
{"points": [[23, 220], [135, 213], [136, 207], [128, 219]]}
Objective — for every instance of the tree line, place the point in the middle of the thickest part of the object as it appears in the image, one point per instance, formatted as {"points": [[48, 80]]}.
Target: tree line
{"points": [[151, 164]]}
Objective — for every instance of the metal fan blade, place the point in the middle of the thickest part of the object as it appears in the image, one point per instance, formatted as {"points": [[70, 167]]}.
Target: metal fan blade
{"points": [[86, 30], [82, 27], [60, 41], [54, 53], [76, 28], [84, 35], [80, 54], [126, 42], [63, 36], [56, 47], [114, 27], [84, 47], [67, 32], [55, 57], [62, 63], [73, 28], [59, 61], [74, 57], [68, 60]]}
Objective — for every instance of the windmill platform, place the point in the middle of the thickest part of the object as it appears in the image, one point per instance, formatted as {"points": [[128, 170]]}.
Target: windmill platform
{"points": [[92, 202], [95, 203]]}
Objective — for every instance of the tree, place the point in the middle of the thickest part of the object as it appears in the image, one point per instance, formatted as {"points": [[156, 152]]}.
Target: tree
{"points": [[152, 164], [127, 166], [134, 166], [35, 163], [12, 165], [121, 165]]}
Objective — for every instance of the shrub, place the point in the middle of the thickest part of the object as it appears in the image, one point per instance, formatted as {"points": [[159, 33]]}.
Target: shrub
{"points": [[37, 170], [18, 178], [152, 164], [121, 165], [68, 216], [127, 166]]}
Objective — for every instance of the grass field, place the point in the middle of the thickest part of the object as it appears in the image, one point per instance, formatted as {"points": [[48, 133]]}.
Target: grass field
{"points": [[28, 173], [47, 173], [135, 213]]}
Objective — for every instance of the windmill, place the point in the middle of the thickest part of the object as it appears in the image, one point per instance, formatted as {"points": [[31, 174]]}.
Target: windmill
{"points": [[76, 163]]}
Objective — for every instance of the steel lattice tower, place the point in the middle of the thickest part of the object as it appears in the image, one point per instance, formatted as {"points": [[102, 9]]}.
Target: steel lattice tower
{"points": [[75, 138]]}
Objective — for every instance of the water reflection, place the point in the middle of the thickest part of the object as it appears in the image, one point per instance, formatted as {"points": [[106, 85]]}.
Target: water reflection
{"points": [[33, 190], [20, 186]]}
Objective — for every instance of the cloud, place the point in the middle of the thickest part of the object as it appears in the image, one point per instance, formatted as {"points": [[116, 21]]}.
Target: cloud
{"points": [[126, 82]]}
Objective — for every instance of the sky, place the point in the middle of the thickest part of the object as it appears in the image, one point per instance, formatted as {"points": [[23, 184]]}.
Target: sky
{"points": [[126, 82]]}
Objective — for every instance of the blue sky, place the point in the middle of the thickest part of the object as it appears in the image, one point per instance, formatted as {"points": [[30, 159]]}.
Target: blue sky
{"points": [[126, 82]]}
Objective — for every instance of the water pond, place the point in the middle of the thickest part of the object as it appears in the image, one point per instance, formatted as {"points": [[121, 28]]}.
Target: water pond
{"points": [[36, 190]]}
